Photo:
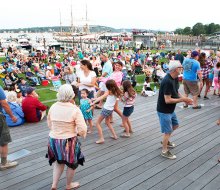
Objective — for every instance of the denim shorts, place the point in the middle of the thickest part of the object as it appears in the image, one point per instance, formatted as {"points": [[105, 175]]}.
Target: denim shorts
{"points": [[128, 111], [167, 122], [106, 113]]}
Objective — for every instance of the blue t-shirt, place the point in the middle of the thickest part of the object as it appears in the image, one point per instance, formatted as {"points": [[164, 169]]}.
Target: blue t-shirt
{"points": [[190, 69], [107, 68], [2, 97]]}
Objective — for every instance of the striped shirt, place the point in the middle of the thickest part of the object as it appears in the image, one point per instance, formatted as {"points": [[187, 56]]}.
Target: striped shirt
{"points": [[129, 101]]}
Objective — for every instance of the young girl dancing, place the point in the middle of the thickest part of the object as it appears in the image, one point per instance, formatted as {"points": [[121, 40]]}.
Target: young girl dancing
{"points": [[117, 76], [129, 100], [111, 95], [86, 108]]}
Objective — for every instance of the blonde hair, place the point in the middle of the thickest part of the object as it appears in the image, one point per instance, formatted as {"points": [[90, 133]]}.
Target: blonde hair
{"points": [[11, 96], [65, 93]]}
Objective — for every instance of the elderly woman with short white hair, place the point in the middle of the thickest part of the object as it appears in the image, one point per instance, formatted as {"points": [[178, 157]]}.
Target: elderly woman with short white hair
{"points": [[16, 110], [65, 121]]}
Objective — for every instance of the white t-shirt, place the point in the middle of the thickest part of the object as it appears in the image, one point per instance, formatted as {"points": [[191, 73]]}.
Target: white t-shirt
{"points": [[86, 80], [110, 102], [78, 70]]}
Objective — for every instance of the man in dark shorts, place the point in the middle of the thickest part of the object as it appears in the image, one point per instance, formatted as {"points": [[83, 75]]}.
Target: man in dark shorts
{"points": [[167, 100], [5, 137]]}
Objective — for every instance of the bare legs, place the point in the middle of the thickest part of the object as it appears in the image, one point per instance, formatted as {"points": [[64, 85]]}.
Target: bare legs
{"points": [[117, 110], [57, 172], [205, 82], [127, 125], [4, 153], [90, 126], [99, 128], [166, 138]]}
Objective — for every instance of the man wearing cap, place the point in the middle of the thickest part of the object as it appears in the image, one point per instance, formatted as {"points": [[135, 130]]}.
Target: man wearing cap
{"points": [[5, 137], [167, 100], [191, 74], [33, 109]]}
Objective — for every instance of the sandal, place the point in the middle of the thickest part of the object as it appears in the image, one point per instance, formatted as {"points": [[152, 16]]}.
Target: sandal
{"points": [[115, 138], [197, 107], [125, 135], [100, 141], [130, 131], [74, 185]]}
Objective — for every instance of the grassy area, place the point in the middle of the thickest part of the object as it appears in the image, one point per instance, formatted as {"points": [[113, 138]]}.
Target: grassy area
{"points": [[2, 59], [46, 94]]}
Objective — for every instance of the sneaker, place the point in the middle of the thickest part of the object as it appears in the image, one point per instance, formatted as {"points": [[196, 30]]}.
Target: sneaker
{"points": [[8, 165], [168, 155], [170, 144], [206, 98]]}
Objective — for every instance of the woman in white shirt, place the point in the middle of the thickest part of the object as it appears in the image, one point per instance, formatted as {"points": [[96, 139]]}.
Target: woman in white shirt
{"points": [[86, 78]]}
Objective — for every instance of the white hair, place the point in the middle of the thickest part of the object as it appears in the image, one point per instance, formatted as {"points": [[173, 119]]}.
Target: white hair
{"points": [[173, 64], [11, 96], [65, 93]]}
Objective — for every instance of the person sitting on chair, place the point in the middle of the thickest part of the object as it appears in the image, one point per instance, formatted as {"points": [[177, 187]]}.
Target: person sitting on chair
{"points": [[30, 75]]}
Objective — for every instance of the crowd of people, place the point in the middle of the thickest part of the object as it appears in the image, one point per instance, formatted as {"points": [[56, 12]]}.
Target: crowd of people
{"points": [[93, 78]]}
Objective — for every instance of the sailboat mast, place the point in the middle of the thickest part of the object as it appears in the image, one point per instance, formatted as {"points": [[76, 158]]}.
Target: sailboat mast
{"points": [[61, 29], [72, 28]]}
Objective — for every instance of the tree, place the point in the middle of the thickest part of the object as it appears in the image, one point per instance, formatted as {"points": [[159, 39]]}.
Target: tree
{"points": [[198, 29], [187, 30], [178, 31]]}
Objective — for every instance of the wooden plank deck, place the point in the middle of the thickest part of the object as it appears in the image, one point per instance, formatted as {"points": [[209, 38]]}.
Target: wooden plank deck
{"points": [[133, 163]]}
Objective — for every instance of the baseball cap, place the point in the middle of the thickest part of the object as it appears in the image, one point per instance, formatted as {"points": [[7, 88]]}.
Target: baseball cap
{"points": [[194, 53], [30, 89], [174, 64]]}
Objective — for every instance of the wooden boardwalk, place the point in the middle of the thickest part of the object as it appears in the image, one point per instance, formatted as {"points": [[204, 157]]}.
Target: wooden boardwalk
{"points": [[133, 163]]}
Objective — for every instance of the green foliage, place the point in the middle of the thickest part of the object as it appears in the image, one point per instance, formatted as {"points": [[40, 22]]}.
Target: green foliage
{"points": [[199, 29], [178, 31], [187, 30]]}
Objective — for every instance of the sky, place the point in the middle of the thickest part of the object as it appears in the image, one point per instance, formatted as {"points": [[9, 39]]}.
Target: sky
{"points": [[163, 15]]}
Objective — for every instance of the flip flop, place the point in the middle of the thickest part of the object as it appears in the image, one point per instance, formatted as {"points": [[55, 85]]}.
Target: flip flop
{"points": [[131, 132], [114, 137], [100, 141], [74, 185], [124, 135]]}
